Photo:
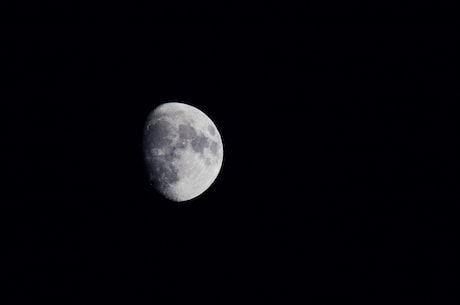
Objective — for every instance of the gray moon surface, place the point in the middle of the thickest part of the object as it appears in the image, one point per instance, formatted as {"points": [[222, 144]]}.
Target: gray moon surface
{"points": [[183, 151]]}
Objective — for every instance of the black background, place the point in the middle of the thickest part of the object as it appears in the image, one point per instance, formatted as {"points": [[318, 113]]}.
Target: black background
{"points": [[337, 184]]}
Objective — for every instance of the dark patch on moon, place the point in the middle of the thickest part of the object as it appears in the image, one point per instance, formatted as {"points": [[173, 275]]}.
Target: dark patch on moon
{"points": [[186, 132], [211, 130], [159, 134], [171, 154], [199, 143], [181, 144], [214, 147]]}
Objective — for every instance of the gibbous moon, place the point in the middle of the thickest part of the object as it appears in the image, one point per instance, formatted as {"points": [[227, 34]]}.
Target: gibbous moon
{"points": [[183, 151]]}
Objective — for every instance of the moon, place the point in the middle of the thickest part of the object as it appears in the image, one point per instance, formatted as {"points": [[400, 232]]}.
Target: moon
{"points": [[183, 151]]}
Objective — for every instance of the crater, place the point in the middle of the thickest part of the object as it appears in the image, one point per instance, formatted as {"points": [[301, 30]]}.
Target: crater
{"points": [[171, 154]]}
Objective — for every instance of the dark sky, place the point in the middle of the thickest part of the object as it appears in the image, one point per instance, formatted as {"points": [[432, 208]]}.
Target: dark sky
{"points": [[338, 176]]}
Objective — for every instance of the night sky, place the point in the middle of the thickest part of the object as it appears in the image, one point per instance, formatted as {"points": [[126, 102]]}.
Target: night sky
{"points": [[337, 185]]}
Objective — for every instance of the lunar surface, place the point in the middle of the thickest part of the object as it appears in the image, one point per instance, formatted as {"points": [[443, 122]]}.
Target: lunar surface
{"points": [[183, 151]]}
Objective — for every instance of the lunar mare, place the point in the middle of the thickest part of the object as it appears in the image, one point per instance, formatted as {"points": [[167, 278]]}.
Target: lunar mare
{"points": [[183, 151]]}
